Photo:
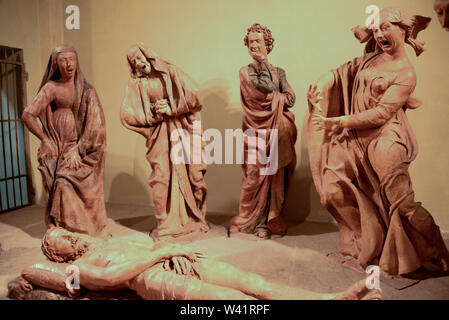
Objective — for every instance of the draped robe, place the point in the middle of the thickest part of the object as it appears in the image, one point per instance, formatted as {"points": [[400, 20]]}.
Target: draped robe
{"points": [[362, 174], [75, 197], [263, 195], [178, 189]]}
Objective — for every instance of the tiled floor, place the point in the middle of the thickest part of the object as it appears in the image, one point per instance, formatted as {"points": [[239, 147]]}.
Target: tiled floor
{"points": [[298, 259]]}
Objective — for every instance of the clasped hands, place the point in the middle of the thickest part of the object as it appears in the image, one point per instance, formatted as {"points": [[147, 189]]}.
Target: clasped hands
{"points": [[161, 107], [332, 125]]}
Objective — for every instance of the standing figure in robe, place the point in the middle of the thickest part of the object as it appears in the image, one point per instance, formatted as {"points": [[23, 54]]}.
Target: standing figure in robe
{"points": [[72, 154], [361, 145], [160, 100], [266, 98]]}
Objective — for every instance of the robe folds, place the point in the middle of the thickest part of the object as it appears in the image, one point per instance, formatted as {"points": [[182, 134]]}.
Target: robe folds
{"points": [[263, 195], [361, 174], [178, 189], [75, 196]]}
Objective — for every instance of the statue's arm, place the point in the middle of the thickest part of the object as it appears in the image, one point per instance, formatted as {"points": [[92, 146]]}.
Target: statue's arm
{"points": [[192, 102], [49, 275], [393, 99], [132, 114], [286, 89], [36, 108], [261, 79], [116, 274], [319, 91]]}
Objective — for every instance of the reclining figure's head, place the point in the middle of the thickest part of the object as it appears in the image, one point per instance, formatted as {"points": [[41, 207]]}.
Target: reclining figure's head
{"points": [[60, 245]]}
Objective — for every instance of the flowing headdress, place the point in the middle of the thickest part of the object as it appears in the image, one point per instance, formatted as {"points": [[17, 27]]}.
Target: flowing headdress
{"points": [[411, 24], [52, 73], [156, 62]]}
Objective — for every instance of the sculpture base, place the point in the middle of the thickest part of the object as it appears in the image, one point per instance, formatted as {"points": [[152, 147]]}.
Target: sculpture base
{"points": [[394, 281]]}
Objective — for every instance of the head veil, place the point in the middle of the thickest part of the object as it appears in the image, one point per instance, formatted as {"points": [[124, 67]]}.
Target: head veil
{"points": [[411, 24], [52, 73], [156, 62]]}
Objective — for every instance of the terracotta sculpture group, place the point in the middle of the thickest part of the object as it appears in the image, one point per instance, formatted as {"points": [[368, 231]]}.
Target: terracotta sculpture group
{"points": [[360, 146]]}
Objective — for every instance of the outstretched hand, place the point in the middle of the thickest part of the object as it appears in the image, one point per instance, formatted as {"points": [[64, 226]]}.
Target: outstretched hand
{"points": [[313, 96], [331, 125]]}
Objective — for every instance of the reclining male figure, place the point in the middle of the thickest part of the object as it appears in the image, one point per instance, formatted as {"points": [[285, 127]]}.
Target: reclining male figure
{"points": [[162, 271]]}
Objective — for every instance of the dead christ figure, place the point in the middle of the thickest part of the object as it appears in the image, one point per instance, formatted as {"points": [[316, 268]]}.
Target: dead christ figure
{"points": [[360, 162], [266, 98], [160, 99], [155, 272], [72, 154]]}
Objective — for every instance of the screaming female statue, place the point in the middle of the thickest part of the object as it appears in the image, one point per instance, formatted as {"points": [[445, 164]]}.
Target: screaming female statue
{"points": [[361, 145], [73, 141]]}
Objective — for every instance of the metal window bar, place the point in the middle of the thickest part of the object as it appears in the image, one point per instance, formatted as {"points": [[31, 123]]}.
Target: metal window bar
{"points": [[15, 184]]}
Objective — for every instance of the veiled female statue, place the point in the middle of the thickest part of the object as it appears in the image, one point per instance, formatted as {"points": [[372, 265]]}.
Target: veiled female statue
{"points": [[73, 141], [360, 160]]}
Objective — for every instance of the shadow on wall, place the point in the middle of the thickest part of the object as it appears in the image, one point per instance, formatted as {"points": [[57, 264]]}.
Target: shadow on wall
{"points": [[219, 114], [136, 190], [302, 198]]}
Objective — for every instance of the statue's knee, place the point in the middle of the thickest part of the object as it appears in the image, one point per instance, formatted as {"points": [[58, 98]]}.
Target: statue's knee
{"points": [[333, 193]]}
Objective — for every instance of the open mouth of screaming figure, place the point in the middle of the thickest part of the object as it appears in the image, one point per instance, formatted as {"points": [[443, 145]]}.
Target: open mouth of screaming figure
{"points": [[144, 67], [385, 43]]}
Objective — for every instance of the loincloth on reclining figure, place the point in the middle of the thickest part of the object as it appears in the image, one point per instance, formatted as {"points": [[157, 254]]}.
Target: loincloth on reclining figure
{"points": [[156, 283]]}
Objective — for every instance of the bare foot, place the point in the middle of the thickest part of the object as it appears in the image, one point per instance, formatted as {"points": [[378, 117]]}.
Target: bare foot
{"points": [[443, 263], [373, 295], [359, 291], [263, 234]]}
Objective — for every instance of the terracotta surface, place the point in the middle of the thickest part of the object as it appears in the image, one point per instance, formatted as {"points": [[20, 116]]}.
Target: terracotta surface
{"points": [[72, 154], [441, 8], [156, 272], [160, 98], [361, 145], [266, 98], [299, 259]]}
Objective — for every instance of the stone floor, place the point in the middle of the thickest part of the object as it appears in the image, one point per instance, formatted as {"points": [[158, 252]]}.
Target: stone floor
{"points": [[298, 259]]}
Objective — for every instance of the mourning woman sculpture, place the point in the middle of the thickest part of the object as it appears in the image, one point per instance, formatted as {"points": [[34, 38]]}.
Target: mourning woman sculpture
{"points": [[73, 141], [441, 8], [360, 162], [266, 98], [157, 272], [159, 100]]}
